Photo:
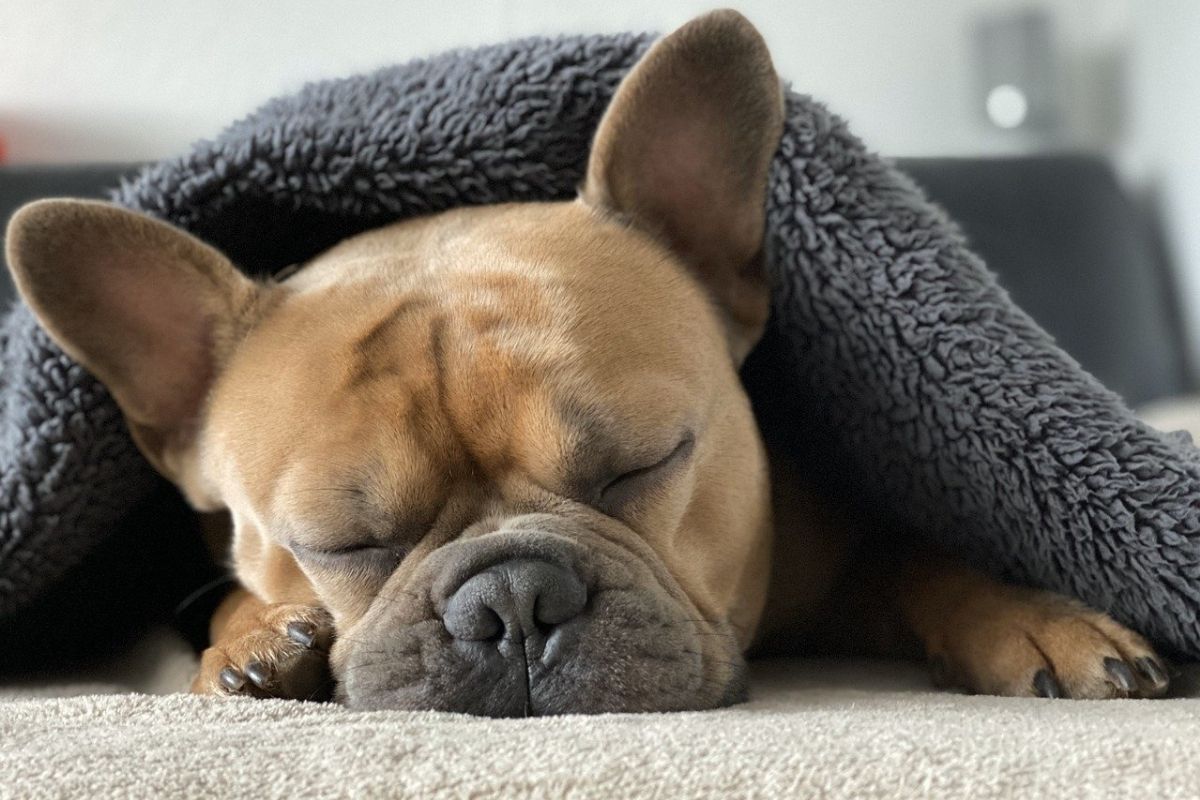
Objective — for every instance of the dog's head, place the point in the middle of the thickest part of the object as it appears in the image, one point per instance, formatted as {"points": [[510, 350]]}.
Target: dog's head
{"points": [[506, 447]]}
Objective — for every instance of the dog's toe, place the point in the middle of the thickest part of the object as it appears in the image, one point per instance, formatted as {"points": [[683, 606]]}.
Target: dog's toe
{"points": [[1037, 644], [1046, 685], [286, 656], [260, 675], [1152, 674], [302, 633], [231, 679]]}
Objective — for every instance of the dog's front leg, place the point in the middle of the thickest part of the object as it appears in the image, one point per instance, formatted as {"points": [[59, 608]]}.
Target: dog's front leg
{"points": [[267, 650], [986, 636]]}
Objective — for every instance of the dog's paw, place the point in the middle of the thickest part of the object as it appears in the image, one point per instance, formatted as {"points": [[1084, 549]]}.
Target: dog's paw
{"points": [[284, 654], [1029, 643]]}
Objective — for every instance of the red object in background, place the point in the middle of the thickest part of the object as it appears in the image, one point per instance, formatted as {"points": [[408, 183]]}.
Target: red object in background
{"points": [[3, 150]]}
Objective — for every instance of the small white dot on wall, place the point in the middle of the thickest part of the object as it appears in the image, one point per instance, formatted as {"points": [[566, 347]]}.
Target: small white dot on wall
{"points": [[1007, 106]]}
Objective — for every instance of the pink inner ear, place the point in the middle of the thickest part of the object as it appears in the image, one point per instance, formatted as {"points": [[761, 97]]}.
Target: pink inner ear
{"points": [[690, 192], [160, 340]]}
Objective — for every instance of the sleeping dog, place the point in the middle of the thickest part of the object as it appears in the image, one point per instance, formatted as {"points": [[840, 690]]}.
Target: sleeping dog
{"points": [[498, 460]]}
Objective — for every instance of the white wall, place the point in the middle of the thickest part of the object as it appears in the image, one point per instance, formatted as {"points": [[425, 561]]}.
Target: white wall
{"points": [[126, 79], [1165, 81], [87, 80]]}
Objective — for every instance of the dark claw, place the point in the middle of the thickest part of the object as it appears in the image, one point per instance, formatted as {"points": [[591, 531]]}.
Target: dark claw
{"points": [[1152, 671], [302, 633], [231, 679], [258, 673], [1120, 674], [1046, 685]]}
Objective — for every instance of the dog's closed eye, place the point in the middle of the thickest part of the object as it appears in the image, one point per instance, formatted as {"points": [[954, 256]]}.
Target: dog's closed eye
{"points": [[622, 491], [367, 556]]}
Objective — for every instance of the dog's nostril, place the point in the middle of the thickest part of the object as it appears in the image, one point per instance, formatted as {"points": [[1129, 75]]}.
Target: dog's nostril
{"points": [[482, 625], [514, 600]]}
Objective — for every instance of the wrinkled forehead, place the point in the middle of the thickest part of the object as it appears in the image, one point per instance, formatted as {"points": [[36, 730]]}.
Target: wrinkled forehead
{"points": [[538, 340]]}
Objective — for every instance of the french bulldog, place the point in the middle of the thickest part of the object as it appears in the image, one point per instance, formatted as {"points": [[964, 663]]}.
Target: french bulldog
{"points": [[498, 460]]}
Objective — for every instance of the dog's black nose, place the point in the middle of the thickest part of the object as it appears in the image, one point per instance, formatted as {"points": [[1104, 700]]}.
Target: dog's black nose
{"points": [[515, 601]]}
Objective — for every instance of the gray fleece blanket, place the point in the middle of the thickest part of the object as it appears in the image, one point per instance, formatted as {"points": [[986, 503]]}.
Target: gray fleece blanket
{"points": [[893, 358]]}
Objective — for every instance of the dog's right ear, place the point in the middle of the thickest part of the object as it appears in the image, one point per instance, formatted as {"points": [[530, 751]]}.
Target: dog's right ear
{"points": [[683, 152], [148, 309]]}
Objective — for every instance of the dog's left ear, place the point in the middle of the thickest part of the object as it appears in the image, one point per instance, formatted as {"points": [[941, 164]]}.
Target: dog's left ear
{"points": [[683, 153]]}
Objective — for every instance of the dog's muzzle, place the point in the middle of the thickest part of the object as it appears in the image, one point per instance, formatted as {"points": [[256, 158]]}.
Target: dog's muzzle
{"points": [[519, 622]]}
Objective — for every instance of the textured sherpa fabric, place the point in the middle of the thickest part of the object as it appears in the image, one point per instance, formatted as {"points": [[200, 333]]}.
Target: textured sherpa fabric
{"points": [[892, 353]]}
